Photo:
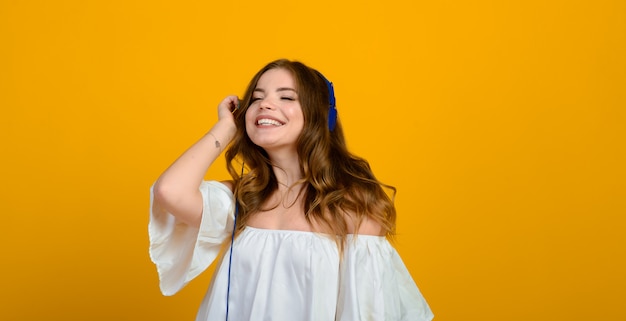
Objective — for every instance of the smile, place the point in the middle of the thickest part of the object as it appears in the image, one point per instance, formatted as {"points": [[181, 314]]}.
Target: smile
{"points": [[268, 122]]}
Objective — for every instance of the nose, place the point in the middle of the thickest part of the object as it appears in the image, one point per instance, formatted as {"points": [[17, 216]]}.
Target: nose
{"points": [[266, 104]]}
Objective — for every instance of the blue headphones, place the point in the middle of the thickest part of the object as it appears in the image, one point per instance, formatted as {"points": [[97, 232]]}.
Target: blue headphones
{"points": [[332, 108]]}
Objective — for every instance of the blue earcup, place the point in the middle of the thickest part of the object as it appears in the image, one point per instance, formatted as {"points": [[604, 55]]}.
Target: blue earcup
{"points": [[332, 108]]}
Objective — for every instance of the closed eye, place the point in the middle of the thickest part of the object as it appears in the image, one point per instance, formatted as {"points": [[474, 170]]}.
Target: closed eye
{"points": [[288, 98]]}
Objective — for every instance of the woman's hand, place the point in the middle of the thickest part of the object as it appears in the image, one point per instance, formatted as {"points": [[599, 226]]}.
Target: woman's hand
{"points": [[226, 108]]}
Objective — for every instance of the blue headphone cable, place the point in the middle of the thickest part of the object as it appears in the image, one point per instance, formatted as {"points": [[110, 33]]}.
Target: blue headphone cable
{"points": [[230, 256]]}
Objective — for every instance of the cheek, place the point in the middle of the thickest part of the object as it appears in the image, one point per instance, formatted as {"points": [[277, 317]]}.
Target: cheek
{"points": [[249, 120], [248, 125], [296, 113], [249, 117], [298, 122]]}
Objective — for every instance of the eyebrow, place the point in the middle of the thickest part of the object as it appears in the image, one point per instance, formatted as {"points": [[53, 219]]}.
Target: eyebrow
{"points": [[279, 89]]}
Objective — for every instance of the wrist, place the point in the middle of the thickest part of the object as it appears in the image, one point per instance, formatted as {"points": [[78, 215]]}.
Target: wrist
{"points": [[222, 132]]}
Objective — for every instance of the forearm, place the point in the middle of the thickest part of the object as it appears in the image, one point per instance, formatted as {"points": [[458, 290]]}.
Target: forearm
{"points": [[176, 190], [188, 171]]}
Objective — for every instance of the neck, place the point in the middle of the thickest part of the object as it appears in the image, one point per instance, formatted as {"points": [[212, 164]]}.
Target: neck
{"points": [[286, 169]]}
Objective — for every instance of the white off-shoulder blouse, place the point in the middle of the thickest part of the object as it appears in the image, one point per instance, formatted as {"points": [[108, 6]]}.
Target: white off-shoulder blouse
{"points": [[281, 275]]}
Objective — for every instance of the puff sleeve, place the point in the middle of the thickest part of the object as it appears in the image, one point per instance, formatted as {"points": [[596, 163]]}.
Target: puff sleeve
{"points": [[181, 252], [376, 285]]}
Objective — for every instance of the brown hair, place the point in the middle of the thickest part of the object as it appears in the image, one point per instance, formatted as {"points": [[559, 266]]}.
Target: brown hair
{"points": [[336, 183]]}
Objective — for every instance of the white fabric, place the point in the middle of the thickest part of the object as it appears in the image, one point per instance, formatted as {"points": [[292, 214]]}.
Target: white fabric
{"points": [[282, 275]]}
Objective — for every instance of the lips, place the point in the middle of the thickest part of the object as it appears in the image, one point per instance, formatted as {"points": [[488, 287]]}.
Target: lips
{"points": [[268, 121]]}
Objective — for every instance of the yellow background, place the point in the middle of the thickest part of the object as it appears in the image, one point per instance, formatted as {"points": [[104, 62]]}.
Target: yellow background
{"points": [[501, 123]]}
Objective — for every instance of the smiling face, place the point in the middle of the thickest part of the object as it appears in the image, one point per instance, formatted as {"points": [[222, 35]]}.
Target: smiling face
{"points": [[274, 119]]}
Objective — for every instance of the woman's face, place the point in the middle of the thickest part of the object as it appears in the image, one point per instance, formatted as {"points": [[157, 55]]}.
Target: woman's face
{"points": [[274, 119]]}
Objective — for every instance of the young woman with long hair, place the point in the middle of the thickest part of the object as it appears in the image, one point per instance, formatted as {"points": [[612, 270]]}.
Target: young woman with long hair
{"points": [[305, 223]]}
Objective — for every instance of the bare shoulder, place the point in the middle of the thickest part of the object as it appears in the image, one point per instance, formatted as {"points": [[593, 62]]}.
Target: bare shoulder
{"points": [[229, 184], [367, 226], [363, 225]]}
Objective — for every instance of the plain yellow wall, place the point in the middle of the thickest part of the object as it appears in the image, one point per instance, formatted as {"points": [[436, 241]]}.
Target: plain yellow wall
{"points": [[501, 123]]}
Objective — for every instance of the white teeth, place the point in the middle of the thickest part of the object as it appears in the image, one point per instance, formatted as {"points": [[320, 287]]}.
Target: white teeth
{"points": [[266, 121]]}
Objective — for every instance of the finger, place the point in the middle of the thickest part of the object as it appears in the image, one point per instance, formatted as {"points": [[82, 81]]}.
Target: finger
{"points": [[227, 102], [236, 104], [233, 103]]}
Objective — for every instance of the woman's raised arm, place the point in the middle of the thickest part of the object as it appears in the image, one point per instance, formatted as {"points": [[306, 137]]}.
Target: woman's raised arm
{"points": [[176, 190]]}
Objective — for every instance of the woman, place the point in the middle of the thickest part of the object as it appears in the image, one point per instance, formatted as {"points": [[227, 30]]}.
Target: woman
{"points": [[309, 220]]}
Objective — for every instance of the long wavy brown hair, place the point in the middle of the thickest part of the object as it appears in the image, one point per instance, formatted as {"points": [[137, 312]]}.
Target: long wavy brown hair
{"points": [[337, 184]]}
